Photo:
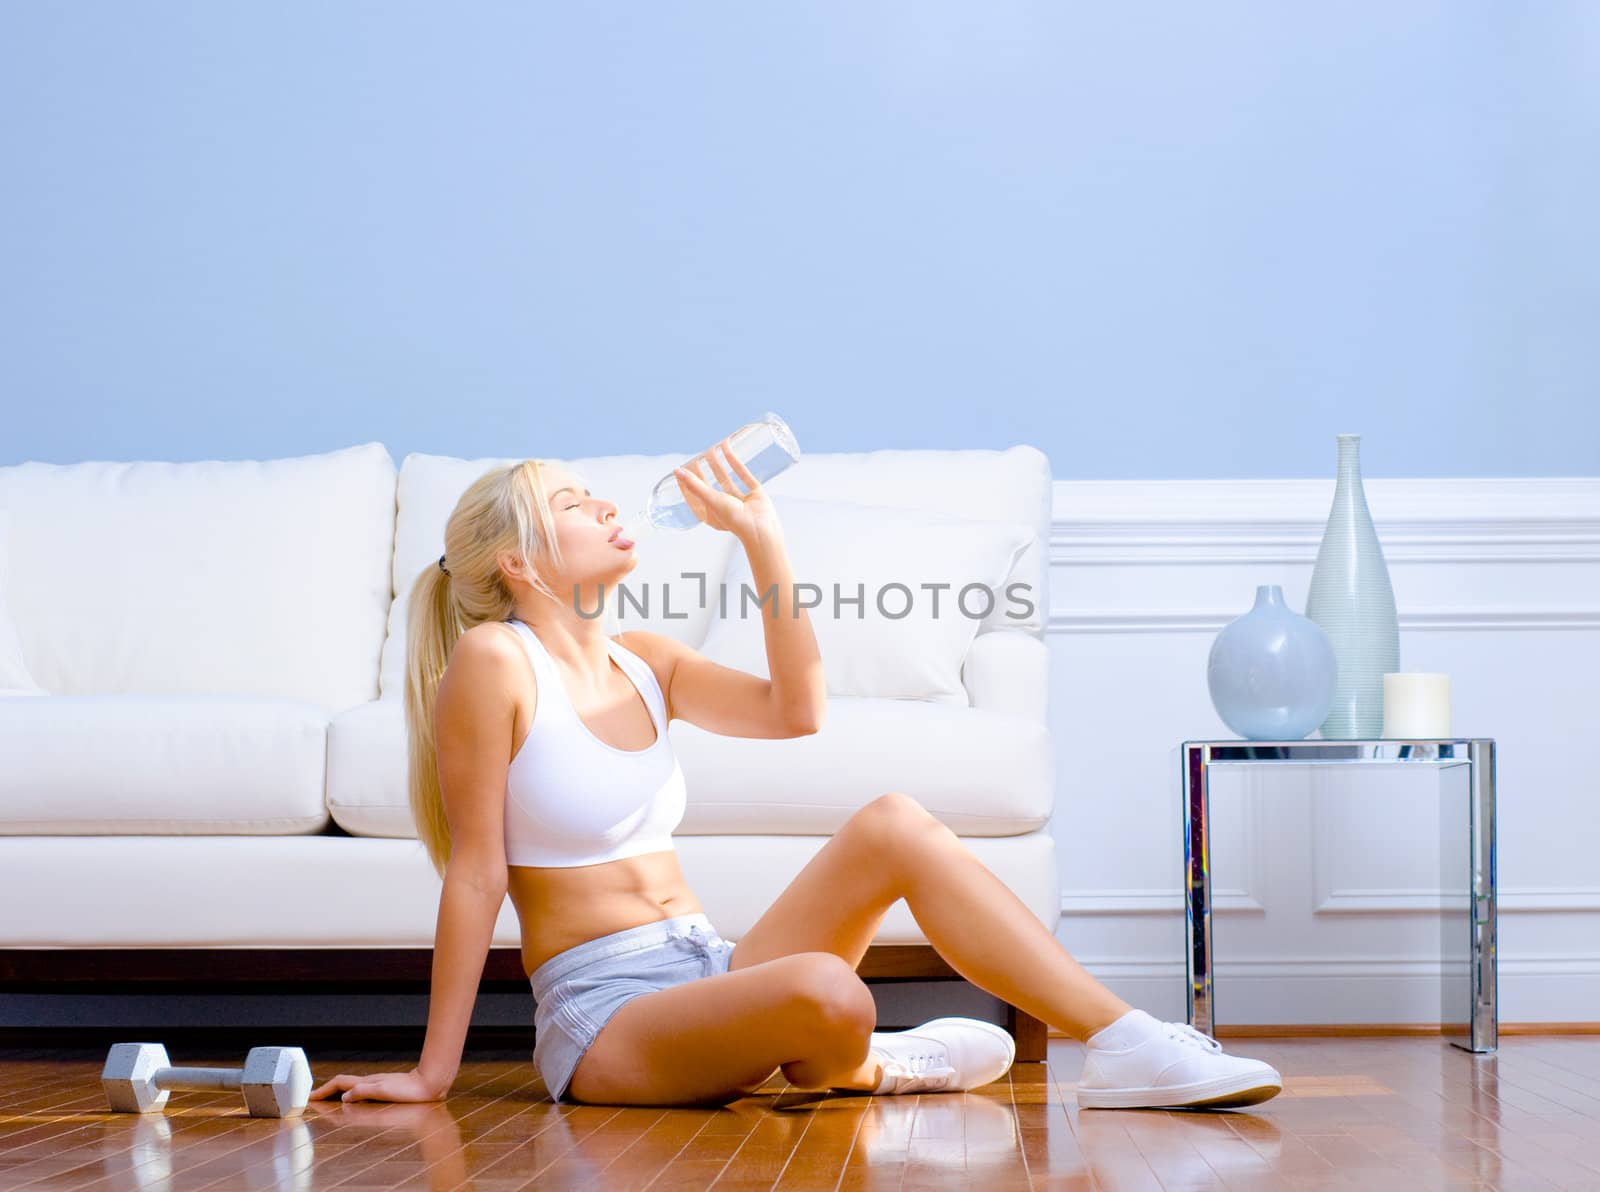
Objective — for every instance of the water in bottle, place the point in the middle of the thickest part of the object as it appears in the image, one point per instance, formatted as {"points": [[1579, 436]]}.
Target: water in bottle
{"points": [[766, 446]]}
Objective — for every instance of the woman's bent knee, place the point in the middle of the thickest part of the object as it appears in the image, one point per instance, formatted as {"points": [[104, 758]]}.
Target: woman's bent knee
{"points": [[804, 1005], [829, 996], [891, 820]]}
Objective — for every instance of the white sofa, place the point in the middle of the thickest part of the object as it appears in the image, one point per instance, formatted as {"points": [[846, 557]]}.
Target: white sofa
{"points": [[207, 751]]}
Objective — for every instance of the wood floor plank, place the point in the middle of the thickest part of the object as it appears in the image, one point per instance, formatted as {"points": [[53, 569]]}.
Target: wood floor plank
{"points": [[832, 1126], [1400, 1112]]}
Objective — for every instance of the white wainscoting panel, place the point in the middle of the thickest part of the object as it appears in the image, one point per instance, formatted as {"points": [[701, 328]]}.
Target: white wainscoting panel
{"points": [[1326, 878]]}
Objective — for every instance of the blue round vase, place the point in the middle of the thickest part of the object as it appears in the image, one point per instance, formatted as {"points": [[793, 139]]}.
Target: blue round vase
{"points": [[1272, 672]]}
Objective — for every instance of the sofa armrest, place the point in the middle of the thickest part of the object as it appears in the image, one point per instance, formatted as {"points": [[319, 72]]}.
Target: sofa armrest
{"points": [[1008, 670]]}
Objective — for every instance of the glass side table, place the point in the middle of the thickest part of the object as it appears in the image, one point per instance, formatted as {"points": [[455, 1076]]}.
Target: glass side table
{"points": [[1467, 916]]}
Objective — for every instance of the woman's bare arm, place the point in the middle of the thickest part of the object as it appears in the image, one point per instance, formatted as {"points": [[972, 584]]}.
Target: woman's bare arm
{"points": [[465, 930], [799, 686], [474, 717]]}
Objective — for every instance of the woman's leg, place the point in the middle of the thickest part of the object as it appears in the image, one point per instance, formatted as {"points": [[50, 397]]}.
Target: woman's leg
{"points": [[715, 1039], [783, 1005], [894, 848], [991, 938]]}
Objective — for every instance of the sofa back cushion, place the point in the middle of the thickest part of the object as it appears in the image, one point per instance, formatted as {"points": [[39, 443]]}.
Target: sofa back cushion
{"points": [[1000, 485], [894, 596], [1011, 485], [14, 676], [252, 577]]}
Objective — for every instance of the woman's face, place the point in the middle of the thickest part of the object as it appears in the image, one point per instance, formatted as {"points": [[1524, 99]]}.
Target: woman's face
{"points": [[588, 531]]}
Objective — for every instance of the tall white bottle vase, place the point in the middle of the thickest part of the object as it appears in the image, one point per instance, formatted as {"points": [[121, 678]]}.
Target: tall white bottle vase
{"points": [[1352, 599]]}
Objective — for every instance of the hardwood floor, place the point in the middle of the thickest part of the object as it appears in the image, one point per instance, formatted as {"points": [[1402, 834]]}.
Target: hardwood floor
{"points": [[1403, 1113]]}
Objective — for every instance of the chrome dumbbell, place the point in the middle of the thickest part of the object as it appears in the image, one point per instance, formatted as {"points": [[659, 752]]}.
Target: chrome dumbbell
{"points": [[276, 1081]]}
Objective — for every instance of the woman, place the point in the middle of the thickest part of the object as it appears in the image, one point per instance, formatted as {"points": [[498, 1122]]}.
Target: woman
{"points": [[539, 767]]}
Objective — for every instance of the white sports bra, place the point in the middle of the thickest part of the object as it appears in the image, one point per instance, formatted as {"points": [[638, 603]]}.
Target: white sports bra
{"points": [[572, 799]]}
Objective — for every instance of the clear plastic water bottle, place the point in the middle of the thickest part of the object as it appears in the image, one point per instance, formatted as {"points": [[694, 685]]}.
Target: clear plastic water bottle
{"points": [[766, 446]]}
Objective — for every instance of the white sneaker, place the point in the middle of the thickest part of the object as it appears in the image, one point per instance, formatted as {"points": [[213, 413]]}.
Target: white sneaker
{"points": [[1172, 1064], [944, 1055]]}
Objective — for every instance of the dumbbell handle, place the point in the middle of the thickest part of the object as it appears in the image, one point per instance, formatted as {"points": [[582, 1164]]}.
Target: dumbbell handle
{"points": [[197, 1078]]}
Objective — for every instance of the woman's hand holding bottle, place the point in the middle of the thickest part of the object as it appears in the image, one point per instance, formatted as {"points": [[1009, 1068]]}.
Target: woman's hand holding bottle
{"points": [[746, 515]]}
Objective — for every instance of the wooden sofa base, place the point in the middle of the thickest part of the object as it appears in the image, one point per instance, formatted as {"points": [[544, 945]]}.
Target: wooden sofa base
{"points": [[353, 970]]}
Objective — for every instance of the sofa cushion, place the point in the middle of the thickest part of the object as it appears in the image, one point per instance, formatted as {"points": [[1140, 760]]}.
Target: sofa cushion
{"points": [[1011, 485], [980, 772], [266, 578], [1014, 483], [918, 585], [340, 892], [14, 676], [367, 759], [167, 764], [658, 597]]}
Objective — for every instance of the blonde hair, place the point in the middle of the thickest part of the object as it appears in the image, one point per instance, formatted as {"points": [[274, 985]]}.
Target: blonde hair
{"points": [[506, 509]]}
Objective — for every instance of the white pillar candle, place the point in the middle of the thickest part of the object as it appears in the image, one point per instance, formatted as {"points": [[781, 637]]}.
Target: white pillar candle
{"points": [[1416, 705]]}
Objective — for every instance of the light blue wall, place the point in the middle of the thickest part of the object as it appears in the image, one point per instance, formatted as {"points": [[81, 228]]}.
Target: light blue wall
{"points": [[1177, 240]]}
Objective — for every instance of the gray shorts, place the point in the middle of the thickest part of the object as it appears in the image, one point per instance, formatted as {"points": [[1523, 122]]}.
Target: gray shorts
{"points": [[576, 992]]}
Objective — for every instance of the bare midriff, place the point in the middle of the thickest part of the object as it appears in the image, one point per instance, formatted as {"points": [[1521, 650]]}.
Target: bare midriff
{"points": [[560, 908]]}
